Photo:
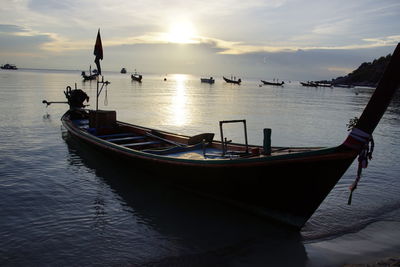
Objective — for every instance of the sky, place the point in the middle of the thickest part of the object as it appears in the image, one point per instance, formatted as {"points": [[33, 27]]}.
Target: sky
{"points": [[284, 39]]}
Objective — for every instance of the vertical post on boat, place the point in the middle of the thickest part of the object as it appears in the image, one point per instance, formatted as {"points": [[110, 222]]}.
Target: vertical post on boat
{"points": [[267, 141], [98, 90], [97, 96], [222, 138], [245, 136]]}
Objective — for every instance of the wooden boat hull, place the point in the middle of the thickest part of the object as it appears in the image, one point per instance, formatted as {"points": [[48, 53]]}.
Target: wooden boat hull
{"points": [[287, 188], [272, 83], [137, 78], [309, 84], [206, 80], [89, 77], [232, 81]]}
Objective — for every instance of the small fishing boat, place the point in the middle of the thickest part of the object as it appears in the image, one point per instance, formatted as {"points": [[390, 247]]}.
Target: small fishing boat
{"points": [[207, 80], [232, 80], [92, 75], [9, 67], [309, 84], [273, 83], [89, 77], [136, 77], [343, 85], [286, 184], [324, 85], [123, 70]]}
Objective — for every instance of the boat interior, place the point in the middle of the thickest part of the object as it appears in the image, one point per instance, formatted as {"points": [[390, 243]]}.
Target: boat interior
{"points": [[103, 125]]}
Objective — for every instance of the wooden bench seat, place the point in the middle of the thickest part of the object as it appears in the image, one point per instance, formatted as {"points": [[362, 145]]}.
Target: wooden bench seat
{"points": [[128, 138], [141, 144], [116, 135]]}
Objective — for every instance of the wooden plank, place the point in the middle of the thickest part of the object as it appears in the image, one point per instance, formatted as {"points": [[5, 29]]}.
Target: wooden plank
{"points": [[141, 143], [129, 138], [115, 135]]}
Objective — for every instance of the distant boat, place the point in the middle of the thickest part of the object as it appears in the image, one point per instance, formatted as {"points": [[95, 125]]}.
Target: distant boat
{"points": [[9, 67], [324, 85], [91, 76], [273, 83], [343, 85], [123, 70], [232, 80], [309, 84], [136, 77], [207, 80]]}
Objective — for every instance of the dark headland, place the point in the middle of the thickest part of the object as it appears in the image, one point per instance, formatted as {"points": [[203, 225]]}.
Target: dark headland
{"points": [[367, 74]]}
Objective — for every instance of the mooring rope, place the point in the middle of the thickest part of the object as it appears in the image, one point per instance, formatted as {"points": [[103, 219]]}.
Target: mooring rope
{"points": [[360, 139]]}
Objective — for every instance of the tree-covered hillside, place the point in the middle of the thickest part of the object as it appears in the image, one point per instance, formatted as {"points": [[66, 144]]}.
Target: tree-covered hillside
{"points": [[367, 74]]}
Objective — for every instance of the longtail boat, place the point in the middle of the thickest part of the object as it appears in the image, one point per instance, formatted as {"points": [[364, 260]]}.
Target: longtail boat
{"points": [[232, 80], [207, 80], [136, 77], [309, 84], [273, 83], [286, 184], [9, 67], [324, 85], [91, 76]]}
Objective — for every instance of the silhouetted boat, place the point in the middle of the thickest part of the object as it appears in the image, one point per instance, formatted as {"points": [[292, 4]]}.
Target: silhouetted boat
{"points": [[283, 183], [343, 85], [232, 80], [123, 70], [91, 76], [309, 84], [324, 85], [136, 77], [9, 67], [273, 83], [88, 77], [207, 80]]}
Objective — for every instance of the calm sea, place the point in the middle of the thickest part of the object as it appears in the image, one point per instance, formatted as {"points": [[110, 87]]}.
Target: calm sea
{"points": [[62, 203]]}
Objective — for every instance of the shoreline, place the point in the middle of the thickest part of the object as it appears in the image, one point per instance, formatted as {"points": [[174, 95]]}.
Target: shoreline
{"points": [[391, 261], [378, 244]]}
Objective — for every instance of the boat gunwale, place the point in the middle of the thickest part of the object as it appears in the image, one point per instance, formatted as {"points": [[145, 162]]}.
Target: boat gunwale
{"points": [[322, 153]]}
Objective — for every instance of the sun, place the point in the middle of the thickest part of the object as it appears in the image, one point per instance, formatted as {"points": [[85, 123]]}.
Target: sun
{"points": [[181, 32]]}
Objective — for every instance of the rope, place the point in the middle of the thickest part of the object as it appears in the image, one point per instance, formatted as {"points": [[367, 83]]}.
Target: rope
{"points": [[106, 98], [363, 157]]}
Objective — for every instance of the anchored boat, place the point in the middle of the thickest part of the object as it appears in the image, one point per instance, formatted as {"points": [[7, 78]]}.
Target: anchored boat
{"points": [[233, 80], [286, 184], [136, 77], [273, 83], [207, 80]]}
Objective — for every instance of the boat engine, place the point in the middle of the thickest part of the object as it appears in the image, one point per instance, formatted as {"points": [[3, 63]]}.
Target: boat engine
{"points": [[76, 97]]}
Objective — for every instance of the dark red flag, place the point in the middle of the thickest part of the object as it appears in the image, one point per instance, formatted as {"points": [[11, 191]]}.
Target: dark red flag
{"points": [[98, 52]]}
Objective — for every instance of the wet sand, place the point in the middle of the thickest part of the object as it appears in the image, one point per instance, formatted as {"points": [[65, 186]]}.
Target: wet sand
{"points": [[378, 244], [393, 261]]}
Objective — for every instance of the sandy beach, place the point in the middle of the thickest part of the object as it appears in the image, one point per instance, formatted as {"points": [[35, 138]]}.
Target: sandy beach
{"points": [[378, 244], [392, 261]]}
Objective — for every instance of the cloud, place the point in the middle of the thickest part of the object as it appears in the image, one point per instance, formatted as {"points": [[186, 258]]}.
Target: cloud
{"points": [[384, 41], [17, 40], [228, 33], [53, 5], [333, 28], [8, 28]]}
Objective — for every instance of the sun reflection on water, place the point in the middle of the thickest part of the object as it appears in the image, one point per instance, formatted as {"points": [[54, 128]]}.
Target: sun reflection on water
{"points": [[179, 101]]}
